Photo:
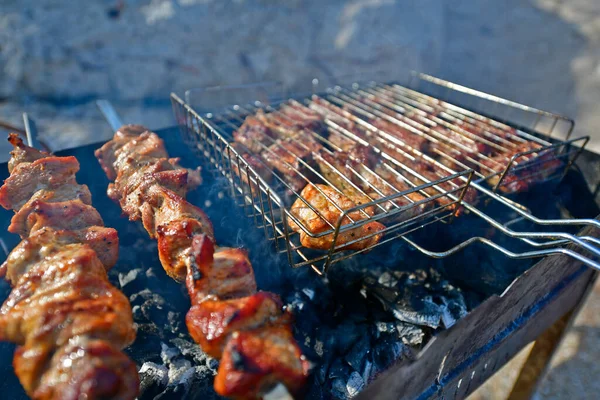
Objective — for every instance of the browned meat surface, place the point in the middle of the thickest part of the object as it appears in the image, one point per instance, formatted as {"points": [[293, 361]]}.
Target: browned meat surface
{"points": [[211, 322], [330, 204], [220, 281], [256, 360], [254, 135], [403, 134], [70, 323]]}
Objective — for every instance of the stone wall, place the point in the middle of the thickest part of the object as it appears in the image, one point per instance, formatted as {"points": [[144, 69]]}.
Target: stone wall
{"points": [[56, 57]]}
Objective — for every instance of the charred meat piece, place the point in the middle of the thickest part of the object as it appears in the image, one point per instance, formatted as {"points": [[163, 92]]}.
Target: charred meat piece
{"points": [[329, 205], [254, 361], [70, 323], [211, 322]]}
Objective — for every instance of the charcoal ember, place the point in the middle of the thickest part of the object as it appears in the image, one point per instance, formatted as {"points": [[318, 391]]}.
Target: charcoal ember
{"points": [[137, 313], [338, 389], [346, 335], [129, 277], [153, 379], [420, 297], [368, 369], [410, 334], [144, 295], [315, 391], [339, 369], [359, 352], [190, 349], [384, 328], [354, 384], [176, 321], [387, 352], [322, 374]]}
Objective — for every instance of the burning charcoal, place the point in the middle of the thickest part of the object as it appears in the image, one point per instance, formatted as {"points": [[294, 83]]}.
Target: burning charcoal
{"points": [[310, 293], [356, 357], [387, 280], [387, 352], [322, 374], [346, 335], [127, 278], [385, 328], [140, 297], [355, 384], [153, 378], [368, 370], [338, 389], [137, 313], [194, 351], [339, 369], [410, 334], [420, 297]]}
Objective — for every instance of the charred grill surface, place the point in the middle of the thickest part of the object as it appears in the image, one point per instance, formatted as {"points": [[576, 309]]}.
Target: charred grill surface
{"points": [[70, 323], [228, 317]]}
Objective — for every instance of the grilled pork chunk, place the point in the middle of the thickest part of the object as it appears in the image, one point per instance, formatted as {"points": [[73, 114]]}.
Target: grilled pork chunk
{"points": [[220, 281], [70, 323], [330, 204]]}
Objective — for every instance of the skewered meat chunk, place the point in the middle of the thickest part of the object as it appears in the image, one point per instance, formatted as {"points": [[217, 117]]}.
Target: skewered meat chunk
{"points": [[220, 281], [253, 361], [211, 322], [70, 323], [330, 205]]}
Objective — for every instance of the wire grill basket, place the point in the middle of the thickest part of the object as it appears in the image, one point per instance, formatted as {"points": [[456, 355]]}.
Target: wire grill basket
{"points": [[431, 158]]}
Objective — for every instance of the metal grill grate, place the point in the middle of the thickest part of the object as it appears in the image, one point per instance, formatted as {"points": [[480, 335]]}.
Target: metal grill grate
{"points": [[430, 160]]}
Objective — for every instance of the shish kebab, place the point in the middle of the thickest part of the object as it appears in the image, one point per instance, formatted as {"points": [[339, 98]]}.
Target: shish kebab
{"points": [[70, 323], [248, 330]]}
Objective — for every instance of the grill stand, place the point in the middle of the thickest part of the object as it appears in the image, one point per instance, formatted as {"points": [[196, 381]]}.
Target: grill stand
{"points": [[545, 300], [538, 361]]}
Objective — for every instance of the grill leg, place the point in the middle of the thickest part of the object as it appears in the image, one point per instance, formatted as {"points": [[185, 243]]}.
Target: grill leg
{"points": [[538, 361]]}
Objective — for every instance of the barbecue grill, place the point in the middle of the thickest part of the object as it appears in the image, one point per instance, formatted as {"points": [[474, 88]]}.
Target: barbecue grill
{"points": [[391, 323], [553, 153]]}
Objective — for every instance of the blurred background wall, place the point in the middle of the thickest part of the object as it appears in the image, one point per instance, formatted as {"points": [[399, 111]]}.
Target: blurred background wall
{"points": [[57, 57]]}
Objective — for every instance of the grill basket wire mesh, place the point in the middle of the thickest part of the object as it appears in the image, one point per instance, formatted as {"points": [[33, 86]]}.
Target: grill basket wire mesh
{"points": [[210, 133]]}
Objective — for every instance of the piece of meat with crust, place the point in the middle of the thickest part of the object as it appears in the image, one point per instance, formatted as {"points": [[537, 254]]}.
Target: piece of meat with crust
{"points": [[18, 223], [22, 153], [27, 178], [225, 273], [96, 370], [254, 134], [104, 241], [325, 199], [291, 159], [253, 361], [212, 322]]}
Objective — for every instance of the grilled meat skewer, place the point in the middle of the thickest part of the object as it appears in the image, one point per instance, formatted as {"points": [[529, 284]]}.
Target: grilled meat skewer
{"points": [[70, 323], [228, 318]]}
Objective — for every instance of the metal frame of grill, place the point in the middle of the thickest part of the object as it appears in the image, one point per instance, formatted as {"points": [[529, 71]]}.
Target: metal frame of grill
{"points": [[211, 134]]}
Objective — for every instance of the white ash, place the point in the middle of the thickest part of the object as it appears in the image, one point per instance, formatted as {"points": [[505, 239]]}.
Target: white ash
{"points": [[355, 384]]}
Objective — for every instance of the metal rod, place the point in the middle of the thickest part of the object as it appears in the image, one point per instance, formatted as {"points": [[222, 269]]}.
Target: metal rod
{"points": [[110, 114]]}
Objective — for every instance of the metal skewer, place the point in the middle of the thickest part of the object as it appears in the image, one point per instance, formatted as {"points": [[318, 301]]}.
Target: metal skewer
{"points": [[277, 392], [31, 134], [109, 112]]}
